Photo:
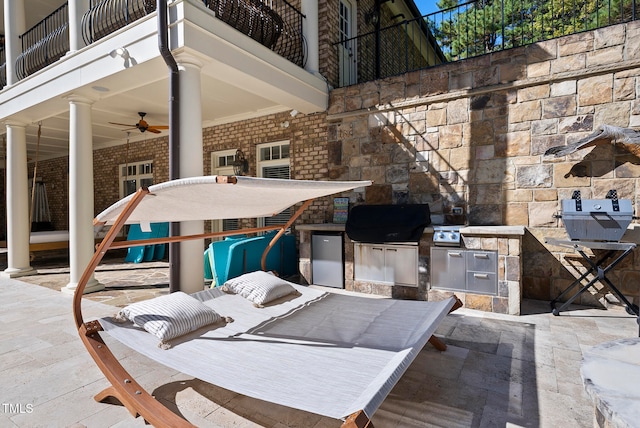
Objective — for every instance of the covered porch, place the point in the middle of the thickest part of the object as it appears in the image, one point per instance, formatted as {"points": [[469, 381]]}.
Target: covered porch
{"points": [[78, 104]]}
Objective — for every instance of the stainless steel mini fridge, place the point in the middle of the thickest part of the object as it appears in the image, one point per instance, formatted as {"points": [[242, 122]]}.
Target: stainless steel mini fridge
{"points": [[327, 265]]}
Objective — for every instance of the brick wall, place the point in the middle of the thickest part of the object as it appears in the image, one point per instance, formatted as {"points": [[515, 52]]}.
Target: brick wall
{"points": [[308, 149], [327, 55], [55, 175]]}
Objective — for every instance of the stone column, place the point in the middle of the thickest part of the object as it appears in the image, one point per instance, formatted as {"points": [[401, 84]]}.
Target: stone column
{"points": [[18, 227], [311, 34], [191, 165], [81, 238], [77, 8], [14, 26]]}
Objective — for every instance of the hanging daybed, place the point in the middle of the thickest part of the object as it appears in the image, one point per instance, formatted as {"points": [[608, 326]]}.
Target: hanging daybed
{"points": [[331, 354]]}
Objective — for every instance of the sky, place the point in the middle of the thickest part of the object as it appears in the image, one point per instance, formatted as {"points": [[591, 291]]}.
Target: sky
{"points": [[426, 6]]}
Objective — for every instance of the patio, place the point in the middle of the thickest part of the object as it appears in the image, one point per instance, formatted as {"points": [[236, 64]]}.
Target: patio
{"points": [[498, 370]]}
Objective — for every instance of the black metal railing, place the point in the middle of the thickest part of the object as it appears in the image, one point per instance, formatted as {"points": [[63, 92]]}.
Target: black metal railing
{"points": [[472, 29], [275, 24], [3, 63], [106, 16], [393, 50], [485, 26], [44, 43]]}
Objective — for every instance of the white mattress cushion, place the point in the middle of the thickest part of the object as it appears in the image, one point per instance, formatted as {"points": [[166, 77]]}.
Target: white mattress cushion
{"points": [[170, 316], [259, 287]]}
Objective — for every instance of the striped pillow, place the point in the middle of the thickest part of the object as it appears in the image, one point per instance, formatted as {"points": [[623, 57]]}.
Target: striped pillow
{"points": [[170, 316], [259, 287]]}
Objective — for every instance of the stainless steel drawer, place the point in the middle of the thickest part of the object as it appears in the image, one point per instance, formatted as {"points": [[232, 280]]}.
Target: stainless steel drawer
{"points": [[482, 261], [460, 269], [482, 282]]}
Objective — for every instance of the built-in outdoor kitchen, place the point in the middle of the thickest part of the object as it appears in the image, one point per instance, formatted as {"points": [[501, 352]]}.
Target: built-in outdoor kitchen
{"points": [[396, 251]]}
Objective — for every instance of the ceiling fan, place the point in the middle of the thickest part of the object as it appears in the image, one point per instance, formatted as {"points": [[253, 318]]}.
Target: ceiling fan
{"points": [[142, 125]]}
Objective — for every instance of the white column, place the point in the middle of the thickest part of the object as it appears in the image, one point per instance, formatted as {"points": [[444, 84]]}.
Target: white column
{"points": [[76, 9], [309, 8], [81, 239], [14, 26], [18, 227], [191, 165]]}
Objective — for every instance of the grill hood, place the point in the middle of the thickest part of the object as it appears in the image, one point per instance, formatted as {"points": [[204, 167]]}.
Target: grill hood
{"points": [[387, 223], [596, 219]]}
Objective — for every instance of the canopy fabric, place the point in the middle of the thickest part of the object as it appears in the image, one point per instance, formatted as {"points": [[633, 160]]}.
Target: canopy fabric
{"points": [[204, 198]]}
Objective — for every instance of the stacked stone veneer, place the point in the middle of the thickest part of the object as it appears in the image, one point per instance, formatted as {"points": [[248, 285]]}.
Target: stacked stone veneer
{"points": [[472, 134], [469, 134]]}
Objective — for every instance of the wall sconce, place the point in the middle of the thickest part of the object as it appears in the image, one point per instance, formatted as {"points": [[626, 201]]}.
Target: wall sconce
{"points": [[240, 164], [372, 17]]}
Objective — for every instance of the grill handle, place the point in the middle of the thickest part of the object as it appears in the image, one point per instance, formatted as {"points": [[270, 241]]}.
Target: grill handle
{"points": [[635, 217]]}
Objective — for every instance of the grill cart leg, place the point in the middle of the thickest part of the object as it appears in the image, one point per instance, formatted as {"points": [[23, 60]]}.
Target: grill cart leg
{"points": [[593, 268], [599, 268]]}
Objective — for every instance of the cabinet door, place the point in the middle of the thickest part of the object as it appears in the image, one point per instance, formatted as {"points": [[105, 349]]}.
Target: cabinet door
{"points": [[401, 265], [369, 262], [448, 269]]}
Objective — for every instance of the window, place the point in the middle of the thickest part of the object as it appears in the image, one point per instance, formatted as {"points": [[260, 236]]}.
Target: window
{"points": [[273, 162], [222, 164], [135, 175]]}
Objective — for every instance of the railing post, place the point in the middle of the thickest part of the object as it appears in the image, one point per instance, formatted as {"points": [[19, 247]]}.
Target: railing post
{"points": [[377, 42], [76, 9], [14, 25]]}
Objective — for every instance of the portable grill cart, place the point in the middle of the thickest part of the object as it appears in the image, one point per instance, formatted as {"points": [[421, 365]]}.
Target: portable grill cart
{"points": [[596, 224]]}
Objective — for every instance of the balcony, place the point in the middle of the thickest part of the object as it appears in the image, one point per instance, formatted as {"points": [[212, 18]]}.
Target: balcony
{"points": [[468, 30], [277, 26], [44, 43], [106, 16]]}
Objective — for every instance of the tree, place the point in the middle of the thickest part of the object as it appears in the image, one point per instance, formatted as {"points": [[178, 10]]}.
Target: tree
{"points": [[474, 28]]}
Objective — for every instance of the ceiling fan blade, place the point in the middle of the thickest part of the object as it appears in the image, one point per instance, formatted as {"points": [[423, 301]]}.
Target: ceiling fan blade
{"points": [[159, 127], [151, 129], [122, 124]]}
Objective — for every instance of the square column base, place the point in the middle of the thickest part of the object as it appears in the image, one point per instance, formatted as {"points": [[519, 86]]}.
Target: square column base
{"points": [[18, 272]]}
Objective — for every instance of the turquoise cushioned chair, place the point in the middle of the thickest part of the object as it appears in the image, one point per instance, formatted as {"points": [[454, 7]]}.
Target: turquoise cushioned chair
{"points": [[233, 257], [146, 253]]}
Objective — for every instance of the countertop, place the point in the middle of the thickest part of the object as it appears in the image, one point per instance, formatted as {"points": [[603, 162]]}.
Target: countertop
{"points": [[611, 375], [465, 230]]}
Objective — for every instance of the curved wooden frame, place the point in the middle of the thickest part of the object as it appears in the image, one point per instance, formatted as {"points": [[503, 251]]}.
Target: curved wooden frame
{"points": [[123, 386]]}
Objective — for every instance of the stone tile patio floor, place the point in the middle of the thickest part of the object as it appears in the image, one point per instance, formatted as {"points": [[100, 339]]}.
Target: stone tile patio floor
{"points": [[498, 370]]}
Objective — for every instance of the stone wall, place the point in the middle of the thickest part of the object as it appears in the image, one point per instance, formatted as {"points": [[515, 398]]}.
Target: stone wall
{"points": [[469, 134], [472, 134]]}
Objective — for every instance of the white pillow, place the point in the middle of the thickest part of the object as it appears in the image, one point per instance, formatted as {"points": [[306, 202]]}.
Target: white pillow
{"points": [[169, 316], [259, 287]]}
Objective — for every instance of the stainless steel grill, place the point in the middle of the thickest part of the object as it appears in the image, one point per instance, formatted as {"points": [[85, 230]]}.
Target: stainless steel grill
{"points": [[596, 219], [596, 224]]}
